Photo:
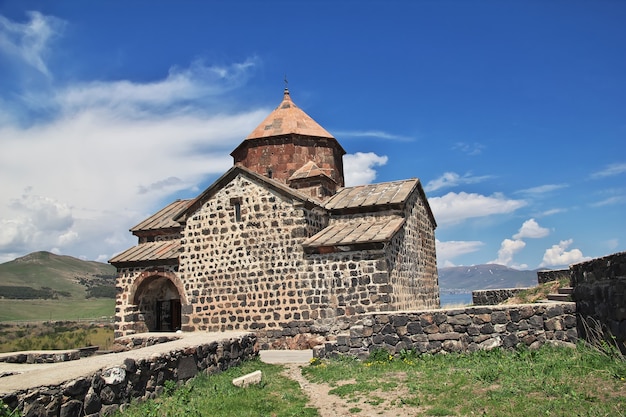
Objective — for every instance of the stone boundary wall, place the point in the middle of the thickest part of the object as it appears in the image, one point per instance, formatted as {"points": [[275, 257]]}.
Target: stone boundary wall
{"points": [[49, 356], [493, 297], [104, 392], [557, 275], [458, 330], [600, 295]]}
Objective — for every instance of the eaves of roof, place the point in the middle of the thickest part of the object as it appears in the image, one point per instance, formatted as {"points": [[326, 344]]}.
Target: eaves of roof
{"points": [[160, 252], [230, 175], [163, 219], [376, 197], [368, 230]]}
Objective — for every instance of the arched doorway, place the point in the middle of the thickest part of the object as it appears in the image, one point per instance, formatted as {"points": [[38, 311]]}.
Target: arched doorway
{"points": [[159, 303]]}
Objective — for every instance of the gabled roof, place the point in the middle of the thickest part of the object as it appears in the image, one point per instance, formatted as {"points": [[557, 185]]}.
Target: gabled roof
{"points": [[287, 119], [308, 170], [369, 230], [149, 252], [232, 173], [373, 197], [163, 219], [384, 193]]}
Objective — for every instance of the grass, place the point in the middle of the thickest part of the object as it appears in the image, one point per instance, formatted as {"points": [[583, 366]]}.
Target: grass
{"points": [[54, 336], [68, 309], [551, 381], [215, 395], [539, 292]]}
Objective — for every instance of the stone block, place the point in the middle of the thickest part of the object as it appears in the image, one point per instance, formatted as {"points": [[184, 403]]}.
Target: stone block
{"points": [[249, 379]]}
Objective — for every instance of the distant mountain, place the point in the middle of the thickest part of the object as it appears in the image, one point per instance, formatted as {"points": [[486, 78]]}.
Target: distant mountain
{"points": [[46, 275], [462, 279]]}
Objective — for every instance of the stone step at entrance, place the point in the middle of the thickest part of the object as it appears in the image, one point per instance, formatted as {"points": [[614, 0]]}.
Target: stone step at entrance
{"points": [[563, 294], [286, 356]]}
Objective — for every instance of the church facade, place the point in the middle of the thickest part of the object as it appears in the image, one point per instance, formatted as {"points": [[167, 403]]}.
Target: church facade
{"points": [[278, 241]]}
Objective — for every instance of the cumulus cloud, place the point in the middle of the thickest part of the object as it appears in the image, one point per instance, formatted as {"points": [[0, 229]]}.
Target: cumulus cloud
{"points": [[508, 249], [107, 154], [531, 229], [359, 167], [446, 251], [454, 208], [610, 171], [452, 179], [558, 255]]}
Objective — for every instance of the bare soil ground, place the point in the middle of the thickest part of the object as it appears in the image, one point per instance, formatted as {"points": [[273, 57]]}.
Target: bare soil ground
{"points": [[377, 403]]}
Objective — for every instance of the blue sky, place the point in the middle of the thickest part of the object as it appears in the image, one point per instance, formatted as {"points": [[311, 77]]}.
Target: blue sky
{"points": [[512, 114]]}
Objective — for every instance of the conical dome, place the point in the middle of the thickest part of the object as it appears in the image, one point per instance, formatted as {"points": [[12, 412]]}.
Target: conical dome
{"points": [[286, 141], [286, 119]]}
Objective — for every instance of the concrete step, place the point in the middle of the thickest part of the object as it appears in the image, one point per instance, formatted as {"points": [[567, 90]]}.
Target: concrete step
{"points": [[566, 290]]}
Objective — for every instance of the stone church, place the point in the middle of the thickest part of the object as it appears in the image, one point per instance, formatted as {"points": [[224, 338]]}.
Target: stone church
{"points": [[278, 241]]}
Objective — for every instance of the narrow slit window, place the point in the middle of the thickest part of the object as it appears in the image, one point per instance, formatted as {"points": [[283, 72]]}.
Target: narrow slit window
{"points": [[237, 211], [236, 203]]}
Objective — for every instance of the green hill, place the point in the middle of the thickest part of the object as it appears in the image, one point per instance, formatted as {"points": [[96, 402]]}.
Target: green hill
{"points": [[42, 284]]}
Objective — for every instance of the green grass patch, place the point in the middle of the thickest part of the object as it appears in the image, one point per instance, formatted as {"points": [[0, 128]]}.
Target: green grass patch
{"points": [[215, 395], [74, 309], [550, 381]]}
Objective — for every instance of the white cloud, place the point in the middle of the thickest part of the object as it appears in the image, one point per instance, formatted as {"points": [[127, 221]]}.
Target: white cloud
{"points": [[471, 149], [531, 229], [452, 179], [610, 171], [451, 249], [543, 189], [618, 199], [28, 42], [454, 208], [508, 248], [359, 167], [557, 255], [553, 211], [108, 154], [376, 134]]}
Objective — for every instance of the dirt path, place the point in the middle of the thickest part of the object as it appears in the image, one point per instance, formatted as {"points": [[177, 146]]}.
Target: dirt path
{"points": [[330, 405]]}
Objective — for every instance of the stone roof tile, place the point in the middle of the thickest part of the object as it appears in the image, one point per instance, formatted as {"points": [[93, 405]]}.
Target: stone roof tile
{"points": [[394, 192], [287, 119], [368, 230], [164, 218], [150, 251]]}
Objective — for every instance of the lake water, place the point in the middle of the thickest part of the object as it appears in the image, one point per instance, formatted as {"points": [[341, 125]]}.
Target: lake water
{"points": [[455, 299]]}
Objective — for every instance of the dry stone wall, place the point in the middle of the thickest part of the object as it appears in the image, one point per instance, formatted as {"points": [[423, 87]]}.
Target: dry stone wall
{"points": [[493, 297], [600, 295], [104, 392], [457, 330], [556, 275]]}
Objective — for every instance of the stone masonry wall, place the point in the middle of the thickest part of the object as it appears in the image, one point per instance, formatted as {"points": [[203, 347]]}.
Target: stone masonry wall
{"points": [[547, 276], [412, 260], [493, 297], [104, 392], [129, 319], [285, 155], [244, 273], [457, 330], [600, 295]]}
